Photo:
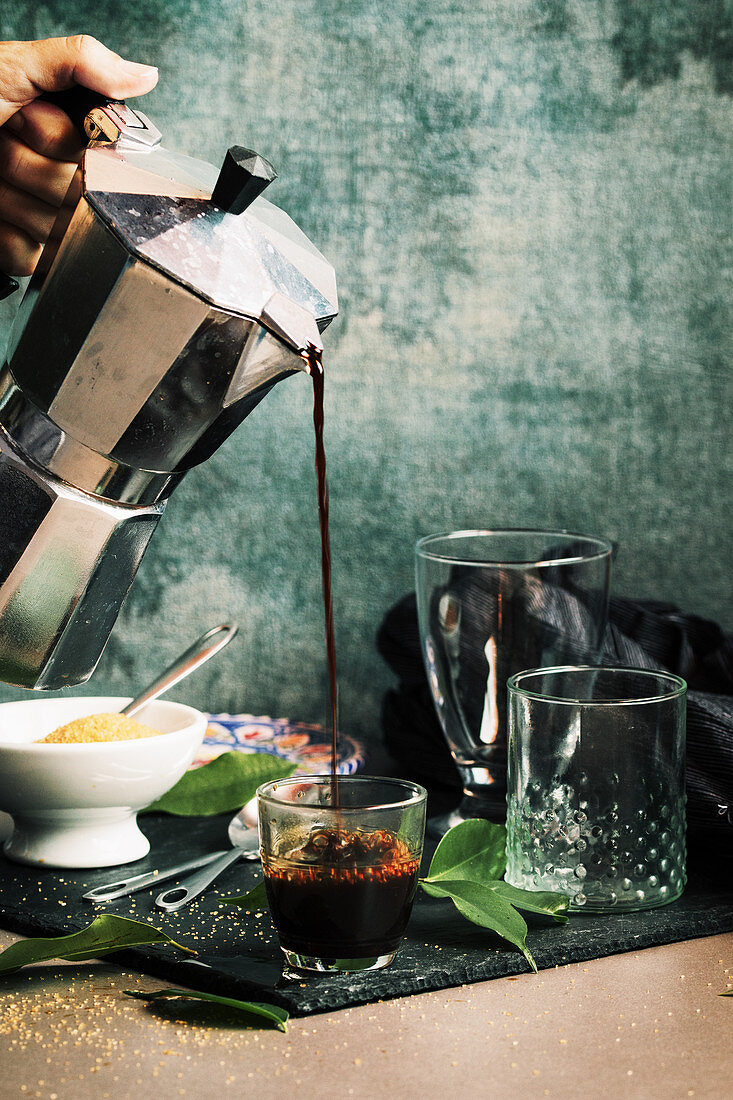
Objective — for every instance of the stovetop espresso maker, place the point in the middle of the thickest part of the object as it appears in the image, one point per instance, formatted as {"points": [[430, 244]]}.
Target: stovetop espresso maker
{"points": [[168, 301]]}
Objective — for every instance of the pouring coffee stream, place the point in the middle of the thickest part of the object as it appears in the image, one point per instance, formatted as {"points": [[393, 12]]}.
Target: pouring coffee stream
{"points": [[314, 358]]}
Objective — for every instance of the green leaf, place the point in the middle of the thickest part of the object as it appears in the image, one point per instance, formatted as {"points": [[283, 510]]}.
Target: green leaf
{"points": [[275, 1015], [534, 901], [225, 784], [726, 993], [106, 933], [473, 850], [468, 866], [482, 905], [256, 898]]}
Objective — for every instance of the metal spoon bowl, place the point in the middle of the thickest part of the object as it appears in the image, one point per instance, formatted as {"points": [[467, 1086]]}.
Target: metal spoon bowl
{"points": [[245, 838]]}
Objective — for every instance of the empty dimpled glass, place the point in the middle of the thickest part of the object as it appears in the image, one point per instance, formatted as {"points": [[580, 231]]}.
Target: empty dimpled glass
{"points": [[596, 787]]}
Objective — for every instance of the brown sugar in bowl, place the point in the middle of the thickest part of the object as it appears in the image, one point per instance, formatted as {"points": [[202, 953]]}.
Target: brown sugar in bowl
{"points": [[74, 804], [98, 727]]}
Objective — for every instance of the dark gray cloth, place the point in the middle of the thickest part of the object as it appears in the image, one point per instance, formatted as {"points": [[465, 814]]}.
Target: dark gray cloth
{"points": [[640, 634]]}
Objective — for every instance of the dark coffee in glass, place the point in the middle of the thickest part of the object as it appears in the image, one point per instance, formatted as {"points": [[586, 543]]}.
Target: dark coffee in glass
{"points": [[341, 879]]}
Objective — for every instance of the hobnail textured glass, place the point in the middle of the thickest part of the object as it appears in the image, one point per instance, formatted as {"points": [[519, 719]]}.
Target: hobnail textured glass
{"points": [[596, 786]]}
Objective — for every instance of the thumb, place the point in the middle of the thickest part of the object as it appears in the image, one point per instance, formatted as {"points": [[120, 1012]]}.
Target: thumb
{"points": [[53, 64]]}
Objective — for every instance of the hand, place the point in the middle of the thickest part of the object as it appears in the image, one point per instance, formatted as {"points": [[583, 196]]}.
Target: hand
{"points": [[39, 147]]}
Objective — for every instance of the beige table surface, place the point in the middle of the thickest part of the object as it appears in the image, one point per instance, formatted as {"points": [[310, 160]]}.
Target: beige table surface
{"points": [[644, 1024]]}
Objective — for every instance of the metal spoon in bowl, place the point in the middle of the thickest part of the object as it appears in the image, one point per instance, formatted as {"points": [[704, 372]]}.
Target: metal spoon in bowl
{"points": [[206, 646], [242, 832]]}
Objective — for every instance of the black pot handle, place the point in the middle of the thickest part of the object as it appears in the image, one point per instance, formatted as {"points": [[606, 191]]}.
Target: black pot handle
{"points": [[77, 102], [8, 285]]}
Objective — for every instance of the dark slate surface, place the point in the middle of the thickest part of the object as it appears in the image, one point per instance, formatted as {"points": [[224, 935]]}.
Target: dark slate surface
{"points": [[239, 956]]}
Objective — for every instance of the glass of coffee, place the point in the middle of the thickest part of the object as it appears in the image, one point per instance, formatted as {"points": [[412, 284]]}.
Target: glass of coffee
{"points": [[341, 859]]}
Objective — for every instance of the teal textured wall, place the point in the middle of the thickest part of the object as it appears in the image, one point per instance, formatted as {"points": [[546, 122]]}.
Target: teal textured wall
{"points": [[528, 204]]}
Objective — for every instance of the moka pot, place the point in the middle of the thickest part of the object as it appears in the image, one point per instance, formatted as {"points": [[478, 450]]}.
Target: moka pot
{"points": [[167, 302]]}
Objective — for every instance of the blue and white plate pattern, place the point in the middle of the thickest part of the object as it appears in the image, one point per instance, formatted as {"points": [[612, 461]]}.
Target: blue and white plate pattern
{"points": [[308, 746]]}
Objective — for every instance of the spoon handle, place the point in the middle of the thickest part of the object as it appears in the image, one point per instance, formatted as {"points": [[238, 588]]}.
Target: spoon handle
{"points": [[113, 890], [206, 646], [180, 895]]}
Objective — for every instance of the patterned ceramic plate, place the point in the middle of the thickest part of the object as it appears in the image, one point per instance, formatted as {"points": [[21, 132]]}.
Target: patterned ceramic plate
{"points": [[307, 746]]}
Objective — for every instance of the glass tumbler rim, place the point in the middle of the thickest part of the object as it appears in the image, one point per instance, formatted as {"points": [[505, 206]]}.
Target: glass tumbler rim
{"points": [[418, 794], [604, 547], [678, 686]]}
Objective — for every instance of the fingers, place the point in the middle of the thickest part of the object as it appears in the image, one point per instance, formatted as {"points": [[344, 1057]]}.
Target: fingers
{"points": [[47, 130], [25, 212], [34, 178], [27, 221], [53, 64], [98, 68], [27, 170], [38, 145], [39, 148], [19, 254]]}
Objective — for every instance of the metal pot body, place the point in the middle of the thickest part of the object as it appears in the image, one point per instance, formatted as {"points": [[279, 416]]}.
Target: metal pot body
{"points": [[118, 379], [156, 320], [67, 560]]}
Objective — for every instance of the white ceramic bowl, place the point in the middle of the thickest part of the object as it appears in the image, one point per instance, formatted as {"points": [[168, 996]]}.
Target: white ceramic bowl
{"points": [[76, 805]]}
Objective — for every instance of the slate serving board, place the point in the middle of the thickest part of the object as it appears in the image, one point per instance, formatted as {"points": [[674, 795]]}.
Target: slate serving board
{"points": [[239, 955]]}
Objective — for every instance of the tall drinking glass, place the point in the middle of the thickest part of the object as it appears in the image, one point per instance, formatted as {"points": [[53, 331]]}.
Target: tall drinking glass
{"points": [[490, 604]]}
